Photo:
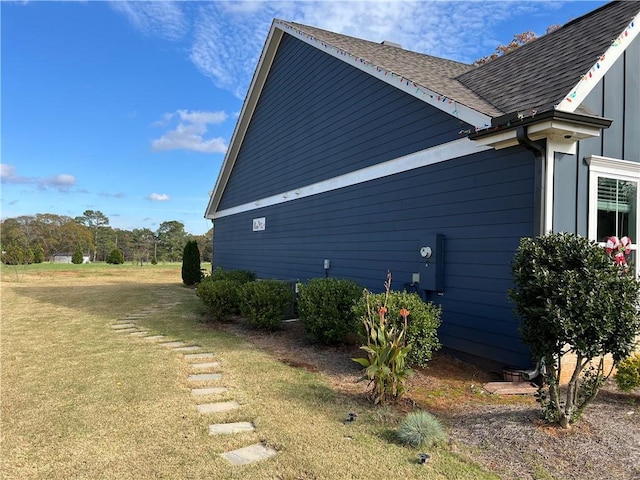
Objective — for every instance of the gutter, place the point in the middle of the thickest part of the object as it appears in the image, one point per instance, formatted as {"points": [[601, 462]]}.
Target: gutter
{"points": [[539, 191]]}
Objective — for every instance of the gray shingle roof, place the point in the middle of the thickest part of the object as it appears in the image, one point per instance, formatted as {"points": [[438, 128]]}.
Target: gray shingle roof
{"points": [[436, 74], [539, 74], [535, 76]]}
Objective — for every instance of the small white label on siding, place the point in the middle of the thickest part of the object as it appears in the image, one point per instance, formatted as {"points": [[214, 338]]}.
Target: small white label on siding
{"points": [[259, 224]]}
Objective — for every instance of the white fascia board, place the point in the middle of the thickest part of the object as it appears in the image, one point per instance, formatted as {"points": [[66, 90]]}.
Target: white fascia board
{"points": [[437, 100], [590, 79], [430, 156], [248, 107]]}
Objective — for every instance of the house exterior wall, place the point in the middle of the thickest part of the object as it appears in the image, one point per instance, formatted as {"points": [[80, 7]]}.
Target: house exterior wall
{"points": [[318, 118], [617, 97], [305, 129]]}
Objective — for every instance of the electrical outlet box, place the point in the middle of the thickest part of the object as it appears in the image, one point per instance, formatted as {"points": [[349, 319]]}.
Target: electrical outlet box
{"points": [[430, 253]]}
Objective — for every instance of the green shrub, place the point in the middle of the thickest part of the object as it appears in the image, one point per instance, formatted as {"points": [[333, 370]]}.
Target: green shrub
{"points": [[77, 258], [264, 303], [325, 305], [386, 363], [420, 429], [628, 376], [573, 298], [220, 297], [422, 322], [115, 257], [191, 273], [38, 255], [242, 276]]}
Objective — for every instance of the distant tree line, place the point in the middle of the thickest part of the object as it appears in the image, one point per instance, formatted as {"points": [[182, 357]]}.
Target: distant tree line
{"points": [[37, 238]]}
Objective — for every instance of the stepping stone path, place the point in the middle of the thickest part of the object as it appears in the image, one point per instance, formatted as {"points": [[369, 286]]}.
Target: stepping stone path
{"points": [[241, 456], [217, 407], [200, 377], [208, 391], [250, 454], [227, 428]]}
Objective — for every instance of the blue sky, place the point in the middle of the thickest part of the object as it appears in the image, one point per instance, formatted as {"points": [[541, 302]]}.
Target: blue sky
{"points": [[128, 107]]}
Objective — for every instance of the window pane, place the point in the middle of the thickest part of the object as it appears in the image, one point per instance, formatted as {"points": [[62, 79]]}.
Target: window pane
{"points": [[617, 208]]}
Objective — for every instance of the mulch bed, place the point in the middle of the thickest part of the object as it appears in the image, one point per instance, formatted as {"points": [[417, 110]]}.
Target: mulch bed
{"points": [[505, 434]]}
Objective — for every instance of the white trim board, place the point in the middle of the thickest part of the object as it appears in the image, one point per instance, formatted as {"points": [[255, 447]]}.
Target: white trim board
{"points": [[430, 156]]}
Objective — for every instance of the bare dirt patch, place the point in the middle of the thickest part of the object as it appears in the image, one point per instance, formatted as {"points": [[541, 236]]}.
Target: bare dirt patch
{"points": [[504, 433]]}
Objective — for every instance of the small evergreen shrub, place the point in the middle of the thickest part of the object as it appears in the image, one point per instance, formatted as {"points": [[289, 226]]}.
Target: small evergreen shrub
{"points": [[191, 273], [220, 297], [422, 322], [324, 305], [38, 255], [628, 376], [242, 276], [265, 302], [420, 429], [77, 257], [115, 257]]}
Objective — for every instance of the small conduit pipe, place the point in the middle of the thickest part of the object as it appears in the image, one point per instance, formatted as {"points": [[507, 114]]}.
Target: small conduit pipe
{"points": [[540, 178]]}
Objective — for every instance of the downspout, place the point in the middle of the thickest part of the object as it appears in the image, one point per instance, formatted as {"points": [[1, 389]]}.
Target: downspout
{"points": [[540, 178]]}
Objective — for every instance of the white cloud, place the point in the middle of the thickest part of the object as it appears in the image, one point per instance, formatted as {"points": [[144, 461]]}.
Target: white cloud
{"points": [[61, 182], [228, 36], [165, 19], [190, 131], [159, 197]]}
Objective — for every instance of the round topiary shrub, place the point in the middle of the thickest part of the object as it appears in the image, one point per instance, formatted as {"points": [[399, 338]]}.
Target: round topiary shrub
{"points": [[420, 429], [422, 322], [220, 297], [265, 302], [324, 305], [191, 272]]}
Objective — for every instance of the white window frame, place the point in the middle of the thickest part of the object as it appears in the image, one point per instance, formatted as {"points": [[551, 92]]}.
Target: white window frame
{"points": [[616, 169]]}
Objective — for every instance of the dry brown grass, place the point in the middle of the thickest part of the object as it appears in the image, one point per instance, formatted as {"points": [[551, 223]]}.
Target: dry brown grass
{"points": [[80, 401]]}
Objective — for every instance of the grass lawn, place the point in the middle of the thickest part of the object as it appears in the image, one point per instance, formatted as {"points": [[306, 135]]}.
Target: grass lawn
{"points": [[81, 401]]}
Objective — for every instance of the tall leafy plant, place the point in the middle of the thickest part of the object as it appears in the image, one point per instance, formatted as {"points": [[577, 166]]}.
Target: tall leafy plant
{"points": [[573, 299], [191, 273], [385, 365]]}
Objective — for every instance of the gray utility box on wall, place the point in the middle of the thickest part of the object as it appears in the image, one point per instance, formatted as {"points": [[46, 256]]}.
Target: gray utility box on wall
{"points": [[431, 256]]}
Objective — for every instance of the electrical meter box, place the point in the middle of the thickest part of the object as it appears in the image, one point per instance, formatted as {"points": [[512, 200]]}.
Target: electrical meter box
{"points": [[431, 256]]}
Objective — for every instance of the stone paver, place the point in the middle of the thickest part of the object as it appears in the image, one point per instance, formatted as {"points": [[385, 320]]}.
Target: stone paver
{"points": [[153, 337], [217, 407], [228, 428], [125, 320], [172, 344], [118, 326], [126, 330], [191, 348], [198, 356], [208, 391], [200, 366], [250, 454], [139, 333], [205, 376]]}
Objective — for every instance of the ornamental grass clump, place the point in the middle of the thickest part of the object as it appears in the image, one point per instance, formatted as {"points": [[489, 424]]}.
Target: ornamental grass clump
{"points": [[385, 365], [420, 429]]}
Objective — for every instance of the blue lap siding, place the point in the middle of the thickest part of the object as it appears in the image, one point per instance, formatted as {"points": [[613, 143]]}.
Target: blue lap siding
{"points": [[482, 204]]}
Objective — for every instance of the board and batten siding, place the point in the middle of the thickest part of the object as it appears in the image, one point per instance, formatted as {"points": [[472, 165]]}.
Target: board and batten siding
{"points": [[318, 117], [617, 97], [481, 203]]}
